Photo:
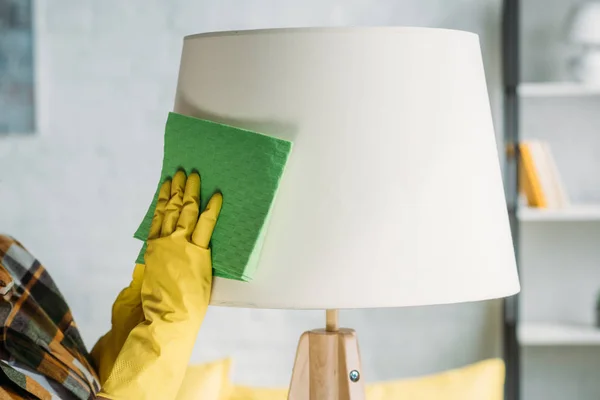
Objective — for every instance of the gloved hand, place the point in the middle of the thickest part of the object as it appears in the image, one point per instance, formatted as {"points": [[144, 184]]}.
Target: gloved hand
{"points": [[175, 291]]}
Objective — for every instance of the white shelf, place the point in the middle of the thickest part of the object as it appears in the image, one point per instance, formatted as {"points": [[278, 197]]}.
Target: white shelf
{"points": [[558, 89], [557, 334], [582, 212]]}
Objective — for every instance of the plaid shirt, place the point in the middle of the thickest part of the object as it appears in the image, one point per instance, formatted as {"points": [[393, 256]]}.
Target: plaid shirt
{"points": [[38, 332]]}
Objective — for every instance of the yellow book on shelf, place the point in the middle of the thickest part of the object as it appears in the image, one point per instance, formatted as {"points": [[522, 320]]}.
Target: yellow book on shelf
{"points": [[530, 182]]}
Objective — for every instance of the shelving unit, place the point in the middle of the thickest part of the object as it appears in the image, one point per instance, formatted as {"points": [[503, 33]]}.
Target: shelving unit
{"points": [[551, 349], [580, 212], [558, 334], [557, 89]]}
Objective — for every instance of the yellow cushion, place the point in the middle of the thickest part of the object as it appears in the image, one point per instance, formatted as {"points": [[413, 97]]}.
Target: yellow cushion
{"points": [[480, 381], [249, 393], [206, 382]]}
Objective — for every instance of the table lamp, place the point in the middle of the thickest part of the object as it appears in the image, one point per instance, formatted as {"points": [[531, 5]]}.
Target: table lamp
{"points": [[392, 196]]}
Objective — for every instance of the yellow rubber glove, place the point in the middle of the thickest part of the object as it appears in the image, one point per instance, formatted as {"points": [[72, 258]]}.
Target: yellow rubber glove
{"points": [[126, 314], [175, 293]]}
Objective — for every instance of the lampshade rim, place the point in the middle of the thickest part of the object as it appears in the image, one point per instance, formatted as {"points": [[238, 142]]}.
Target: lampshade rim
{"points": [[307, 306], [303, 30]]}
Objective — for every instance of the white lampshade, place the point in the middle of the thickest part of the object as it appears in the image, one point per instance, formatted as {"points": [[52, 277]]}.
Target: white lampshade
{"points": [[585, 24], [392, 195]]}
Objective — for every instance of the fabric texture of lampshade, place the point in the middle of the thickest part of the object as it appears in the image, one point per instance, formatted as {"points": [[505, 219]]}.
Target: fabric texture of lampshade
{"points": [[393, 194]]}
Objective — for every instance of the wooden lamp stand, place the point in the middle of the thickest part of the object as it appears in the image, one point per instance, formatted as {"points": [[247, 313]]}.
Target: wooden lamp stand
{"points": [[327, 365]]}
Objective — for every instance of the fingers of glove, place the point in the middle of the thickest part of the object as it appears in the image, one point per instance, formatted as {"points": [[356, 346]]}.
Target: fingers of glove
{"points": [[173, 208], [191, 205], [164, 195], [207, 221]]}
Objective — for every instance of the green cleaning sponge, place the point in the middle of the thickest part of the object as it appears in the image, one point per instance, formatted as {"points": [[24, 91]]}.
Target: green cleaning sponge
{"points": [[245, 166]]}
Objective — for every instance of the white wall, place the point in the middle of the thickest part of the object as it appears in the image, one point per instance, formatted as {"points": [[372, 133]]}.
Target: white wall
{"points": [[75, 191]]}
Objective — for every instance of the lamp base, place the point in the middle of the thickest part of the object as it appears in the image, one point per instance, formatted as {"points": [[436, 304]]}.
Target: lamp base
{"points": [[327, 365]]}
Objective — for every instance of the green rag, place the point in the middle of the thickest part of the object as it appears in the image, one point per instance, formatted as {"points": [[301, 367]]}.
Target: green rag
{"points": [[243, 165]]}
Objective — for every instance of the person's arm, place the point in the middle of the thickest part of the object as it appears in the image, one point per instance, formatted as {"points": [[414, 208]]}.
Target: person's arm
{"points": [[175, 293]]}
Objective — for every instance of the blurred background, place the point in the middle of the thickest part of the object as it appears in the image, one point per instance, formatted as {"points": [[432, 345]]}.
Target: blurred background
{"points": [[85, 88]]}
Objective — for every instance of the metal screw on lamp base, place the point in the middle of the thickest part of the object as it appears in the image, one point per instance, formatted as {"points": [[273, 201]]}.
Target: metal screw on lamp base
{"points": [[327, 364]]}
